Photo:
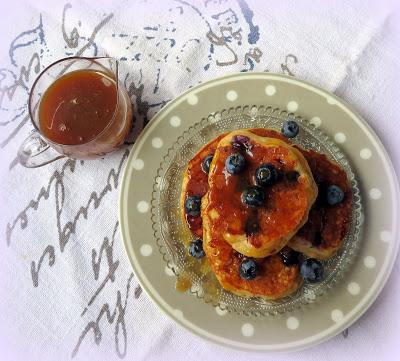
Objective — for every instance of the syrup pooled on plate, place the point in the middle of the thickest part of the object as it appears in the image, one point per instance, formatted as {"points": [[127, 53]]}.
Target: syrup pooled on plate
{"points": [[77, 107]]}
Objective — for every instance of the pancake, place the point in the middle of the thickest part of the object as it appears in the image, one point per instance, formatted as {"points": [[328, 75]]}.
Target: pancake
{"points": [[274, 280], [195, 183], [195, 180], [327, 225], [319, 237], [287, 203]]}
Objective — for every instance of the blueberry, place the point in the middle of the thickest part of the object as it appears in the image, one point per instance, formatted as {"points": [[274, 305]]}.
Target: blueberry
{"points": [[235, 163], [290, 129], [248, 269], [196, 248], [192, 205], [312, 270], [289, 257], [266, 175], [334, 195], [253, 196], [205, 165]]}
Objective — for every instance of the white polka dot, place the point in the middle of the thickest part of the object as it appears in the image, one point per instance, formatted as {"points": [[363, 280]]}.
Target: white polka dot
{"points": [[178, 313], [168, 271], [331, 100], [157, 142], [292, 323], [220, 311], [146, 250], [270, 90], [316, 121], [365, 153], [375, 193], [353, 288], [247, 330], [138, 164], [192, 99], [292, 106], [175, 121], [340, 137], [143, 206], [386, 236], [369, 262], [337, 315], [231, 95]]}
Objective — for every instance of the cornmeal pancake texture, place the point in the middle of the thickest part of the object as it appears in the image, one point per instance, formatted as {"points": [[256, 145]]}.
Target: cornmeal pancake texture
{"points": [[274, 280], [287, 202], [327, 225]]}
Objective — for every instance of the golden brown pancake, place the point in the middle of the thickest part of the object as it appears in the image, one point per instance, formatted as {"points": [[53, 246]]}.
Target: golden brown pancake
{"points": [[327, 225], [195, 180], [195, 183], [274, 280], [287, 203], [320, 236]]}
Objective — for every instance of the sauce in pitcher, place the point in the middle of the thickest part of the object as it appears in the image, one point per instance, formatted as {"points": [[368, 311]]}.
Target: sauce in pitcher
{"points": [[77, 107]]}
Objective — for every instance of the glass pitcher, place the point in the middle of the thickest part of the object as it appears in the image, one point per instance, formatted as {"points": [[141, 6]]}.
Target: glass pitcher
{"points": [[38, 150]]}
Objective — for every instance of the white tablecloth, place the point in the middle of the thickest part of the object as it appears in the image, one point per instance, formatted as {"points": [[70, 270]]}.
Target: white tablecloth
{"points": [[67, 290]]}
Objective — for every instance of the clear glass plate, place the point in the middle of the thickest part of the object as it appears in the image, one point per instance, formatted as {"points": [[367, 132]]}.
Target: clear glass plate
{"points": [[173, 236]]}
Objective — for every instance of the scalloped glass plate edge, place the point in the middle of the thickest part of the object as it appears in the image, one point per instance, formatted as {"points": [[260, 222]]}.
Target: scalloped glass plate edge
{"points": [[168, 229]]}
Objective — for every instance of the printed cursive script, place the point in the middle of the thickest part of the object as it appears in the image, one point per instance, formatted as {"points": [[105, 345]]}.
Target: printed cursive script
{"points": [[106, 248], [116, 317], [65, 231]]}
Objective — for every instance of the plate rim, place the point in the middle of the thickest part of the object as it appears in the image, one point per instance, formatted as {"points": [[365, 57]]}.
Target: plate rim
{"points": [[365, 302]]}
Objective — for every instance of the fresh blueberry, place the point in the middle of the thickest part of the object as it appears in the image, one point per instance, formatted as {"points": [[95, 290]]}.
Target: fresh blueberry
{"points": [[334, 195], [266, 175], [312, 270], [253, 196], [192, 205], [290, 129], [235, 163], [196, 249], [248, 269], [289, 257], [205, 165]]}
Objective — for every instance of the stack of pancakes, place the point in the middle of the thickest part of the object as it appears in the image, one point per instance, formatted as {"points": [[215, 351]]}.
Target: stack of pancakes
{"points": [[293, 216]]}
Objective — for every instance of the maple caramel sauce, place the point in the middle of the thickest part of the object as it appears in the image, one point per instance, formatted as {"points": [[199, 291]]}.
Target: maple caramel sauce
{"points": [[183, 283], [77, 107], [198, 179]]}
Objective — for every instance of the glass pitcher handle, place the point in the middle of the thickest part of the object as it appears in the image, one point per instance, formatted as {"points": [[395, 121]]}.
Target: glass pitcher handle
{"points": [[34, 152]]}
